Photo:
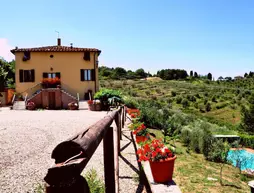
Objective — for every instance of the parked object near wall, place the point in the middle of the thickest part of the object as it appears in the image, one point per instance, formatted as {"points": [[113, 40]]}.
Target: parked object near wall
{"points": [[73, 105], [30, 106], [94, 105]]}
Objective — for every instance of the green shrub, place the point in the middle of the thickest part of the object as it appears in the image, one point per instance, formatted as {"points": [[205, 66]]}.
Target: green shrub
{"points": [[196, 105], [173, 93], [186, 135], [179, 100], [221, 105], [218, 151], [95, 185], [205, 101], [214, 99], [247, 140], [208, 107], [130, 102], [185, 103]]}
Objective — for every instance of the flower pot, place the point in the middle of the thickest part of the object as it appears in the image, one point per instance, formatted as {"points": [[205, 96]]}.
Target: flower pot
{"points": [[140, 139], [94, 107], [162, 171]]}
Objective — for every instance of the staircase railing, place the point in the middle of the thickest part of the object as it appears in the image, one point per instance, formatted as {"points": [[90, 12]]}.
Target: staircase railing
{"points": [[68, 89]]}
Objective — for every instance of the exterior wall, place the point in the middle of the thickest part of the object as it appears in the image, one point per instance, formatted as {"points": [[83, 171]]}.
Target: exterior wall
{"points": [[3, 98], [67, 63], [66, 100], [62, 100], [37, 100]]}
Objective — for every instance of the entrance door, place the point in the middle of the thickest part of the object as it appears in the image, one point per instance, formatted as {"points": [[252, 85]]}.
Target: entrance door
{"points": [[52, 100]]}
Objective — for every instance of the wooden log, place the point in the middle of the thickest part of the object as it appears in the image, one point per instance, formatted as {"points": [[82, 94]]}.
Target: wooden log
{"points": [[116, 154], [123, 118], [82, 145], [109, 172]]}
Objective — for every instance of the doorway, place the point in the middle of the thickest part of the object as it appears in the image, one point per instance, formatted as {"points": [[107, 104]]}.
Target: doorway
{"points": [[52, 100]]}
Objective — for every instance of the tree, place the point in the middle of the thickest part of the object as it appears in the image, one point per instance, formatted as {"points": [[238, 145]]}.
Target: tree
{"points": [[208, 107], [248, 116], [220, 78], [209, 76], [119, 73], [191, 73], [141, 73], [245, 75], [195, 74]]}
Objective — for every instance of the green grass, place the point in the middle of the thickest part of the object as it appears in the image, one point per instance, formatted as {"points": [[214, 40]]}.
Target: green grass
{"points": [[192, 170], [228, 111]]}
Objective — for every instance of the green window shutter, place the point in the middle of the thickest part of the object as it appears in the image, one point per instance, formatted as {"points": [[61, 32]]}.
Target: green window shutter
{"points": [[58, 75], [45, 75], [82, 75], [32, 75], [21, 75], [93, 74]]}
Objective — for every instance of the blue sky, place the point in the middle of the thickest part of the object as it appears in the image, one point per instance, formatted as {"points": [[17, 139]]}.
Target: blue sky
{"points": [[201, 35]]}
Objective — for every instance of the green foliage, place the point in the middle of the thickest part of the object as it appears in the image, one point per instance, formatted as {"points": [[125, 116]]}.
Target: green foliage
{"points": [[172, 74], [248, 116], [218, 152], [185, 103], [95, 185], [247, 140], [208, 107], [7, 74], [179, 99], [173, 93], [108, 97], [130, 102]]}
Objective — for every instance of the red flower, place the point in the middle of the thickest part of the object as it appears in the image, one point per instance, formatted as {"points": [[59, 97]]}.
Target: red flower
{"points": [[155, 151]]}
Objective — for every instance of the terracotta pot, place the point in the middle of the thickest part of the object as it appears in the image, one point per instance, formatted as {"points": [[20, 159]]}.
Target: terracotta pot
{"points": [[140, 139], [94, 107], [162, 171]]}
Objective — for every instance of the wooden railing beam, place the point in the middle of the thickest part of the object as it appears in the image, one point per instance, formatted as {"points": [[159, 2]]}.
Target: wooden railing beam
{"points": [[109, 169]]}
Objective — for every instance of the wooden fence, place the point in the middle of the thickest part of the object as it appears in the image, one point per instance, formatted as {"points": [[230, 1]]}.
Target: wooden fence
{"points": [[72, 156]]}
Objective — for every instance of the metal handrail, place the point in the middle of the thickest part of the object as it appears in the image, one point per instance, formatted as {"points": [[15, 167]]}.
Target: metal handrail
{"points": [[13, 98]]}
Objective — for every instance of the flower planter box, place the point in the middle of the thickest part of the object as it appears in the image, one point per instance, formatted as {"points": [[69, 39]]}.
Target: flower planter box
{"points": [[140, 139], [162, 171], [94, 107]]}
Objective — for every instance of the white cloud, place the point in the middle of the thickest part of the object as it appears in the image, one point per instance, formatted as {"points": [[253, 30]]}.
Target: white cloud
{"points": [[5, 49]]}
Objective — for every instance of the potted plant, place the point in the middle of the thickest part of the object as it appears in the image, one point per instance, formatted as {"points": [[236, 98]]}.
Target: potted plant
{"points": [[94, 105], [51, 82], [160, 158], [108, 97], [30, 105], [73, 106], [141, 133]]}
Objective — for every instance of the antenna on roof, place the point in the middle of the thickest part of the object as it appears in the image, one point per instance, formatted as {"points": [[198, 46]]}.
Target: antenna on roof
{"points": [[57, 33]]}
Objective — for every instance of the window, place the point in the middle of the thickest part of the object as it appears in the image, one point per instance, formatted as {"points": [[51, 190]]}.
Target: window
{"points": [[86, 56], [87, 74], [51, 75], [26, 56], [26, 76]]}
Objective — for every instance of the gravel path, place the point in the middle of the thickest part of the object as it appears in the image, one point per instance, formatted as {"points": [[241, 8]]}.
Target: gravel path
{"points": [[27, 139], [128, 165]]}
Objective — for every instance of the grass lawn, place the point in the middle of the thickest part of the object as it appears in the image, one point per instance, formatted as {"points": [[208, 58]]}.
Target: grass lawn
{"points": [[192, 170]]}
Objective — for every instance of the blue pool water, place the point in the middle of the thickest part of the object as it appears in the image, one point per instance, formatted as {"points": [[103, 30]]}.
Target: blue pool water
{"points": [[242, 158]]}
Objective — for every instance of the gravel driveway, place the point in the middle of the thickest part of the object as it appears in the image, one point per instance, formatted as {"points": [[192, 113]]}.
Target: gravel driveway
{"points": [[27, 139]]}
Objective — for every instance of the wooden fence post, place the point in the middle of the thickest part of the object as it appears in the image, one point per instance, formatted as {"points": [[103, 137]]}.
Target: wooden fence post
{"points": [[109, 169]]}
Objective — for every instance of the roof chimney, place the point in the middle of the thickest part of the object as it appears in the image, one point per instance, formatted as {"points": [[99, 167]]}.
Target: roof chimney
{"points": [[59, 41]]}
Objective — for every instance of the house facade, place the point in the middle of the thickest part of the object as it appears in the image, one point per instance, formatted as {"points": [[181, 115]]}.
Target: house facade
{"points": [[75, 68]]}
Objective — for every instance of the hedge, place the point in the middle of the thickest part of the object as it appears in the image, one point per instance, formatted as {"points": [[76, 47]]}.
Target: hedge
{"points": [[247, 140]]}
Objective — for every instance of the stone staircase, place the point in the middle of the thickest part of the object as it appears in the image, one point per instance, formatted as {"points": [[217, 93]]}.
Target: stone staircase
{"points": [[67, 93], [83, 105], [19, 105]]}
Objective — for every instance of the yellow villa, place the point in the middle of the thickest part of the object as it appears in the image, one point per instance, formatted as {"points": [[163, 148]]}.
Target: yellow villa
{"points": [[74, 70]]}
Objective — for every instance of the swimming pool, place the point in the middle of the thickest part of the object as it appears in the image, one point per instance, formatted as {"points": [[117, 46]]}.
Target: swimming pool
{"points": [[242, 158]]}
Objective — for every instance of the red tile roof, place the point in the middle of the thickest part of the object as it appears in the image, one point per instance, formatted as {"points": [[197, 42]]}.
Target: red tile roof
{"points": [[56, 49]]}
